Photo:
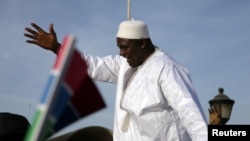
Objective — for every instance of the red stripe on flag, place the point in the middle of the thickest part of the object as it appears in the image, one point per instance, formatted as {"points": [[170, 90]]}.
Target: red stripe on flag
{"points": [[86, 97], [60, 55], [77, 71]]}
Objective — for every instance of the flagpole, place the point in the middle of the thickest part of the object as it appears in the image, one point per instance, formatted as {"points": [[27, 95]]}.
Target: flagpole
{"points": [[129, 10]]}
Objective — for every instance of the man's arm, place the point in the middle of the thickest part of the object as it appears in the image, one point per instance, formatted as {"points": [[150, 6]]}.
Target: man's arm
{"points": [[178, 89]]}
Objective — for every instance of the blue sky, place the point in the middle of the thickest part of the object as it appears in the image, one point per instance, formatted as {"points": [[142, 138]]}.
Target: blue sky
{"points": [[210, 37]]}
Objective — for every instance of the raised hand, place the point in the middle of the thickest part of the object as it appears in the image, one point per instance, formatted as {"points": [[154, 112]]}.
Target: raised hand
{"points": [[214, 115], [41, 38]]}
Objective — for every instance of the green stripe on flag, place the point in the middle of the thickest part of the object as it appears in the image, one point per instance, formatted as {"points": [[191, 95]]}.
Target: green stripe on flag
{"points": [[34, 125], [33, 132]]}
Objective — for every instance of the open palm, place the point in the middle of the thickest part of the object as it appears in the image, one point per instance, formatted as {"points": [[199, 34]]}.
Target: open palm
{"points": [[41, 38]]}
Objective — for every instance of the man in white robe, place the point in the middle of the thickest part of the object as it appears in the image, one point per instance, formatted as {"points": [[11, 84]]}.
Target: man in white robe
{"points": [[156, 100]]}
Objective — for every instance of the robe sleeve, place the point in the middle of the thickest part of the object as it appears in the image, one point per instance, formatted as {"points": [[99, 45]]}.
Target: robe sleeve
{"points": [[104, 69], [179, 91]]}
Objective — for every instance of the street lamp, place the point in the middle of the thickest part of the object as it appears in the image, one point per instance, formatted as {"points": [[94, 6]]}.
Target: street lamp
{"points": [[224, 103]]}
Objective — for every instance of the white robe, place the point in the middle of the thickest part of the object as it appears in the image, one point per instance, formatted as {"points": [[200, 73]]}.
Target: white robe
{"points": [[158, 104]]}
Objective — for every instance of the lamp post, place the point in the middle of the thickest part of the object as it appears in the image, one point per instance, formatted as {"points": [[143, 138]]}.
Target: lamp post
{"points": [[224, 103]]}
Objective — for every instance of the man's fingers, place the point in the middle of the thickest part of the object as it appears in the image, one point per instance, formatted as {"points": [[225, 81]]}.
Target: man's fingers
{"points": [[218, 107], [212, 109], [30, 36], [31, 31], [51, 29], [215, 108], [209, 111], [38, 28], [32, 42]]}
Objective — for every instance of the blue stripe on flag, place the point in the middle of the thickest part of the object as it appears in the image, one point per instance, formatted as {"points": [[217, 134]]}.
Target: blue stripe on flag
{"points": [[68, 116], [62, 98], [47, 91]]}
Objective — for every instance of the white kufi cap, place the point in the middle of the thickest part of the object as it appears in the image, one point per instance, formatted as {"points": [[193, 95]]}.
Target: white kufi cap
{"points": [[133, 29]]}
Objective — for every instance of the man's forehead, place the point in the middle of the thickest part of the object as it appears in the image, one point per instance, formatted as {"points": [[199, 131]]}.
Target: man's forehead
{"points": [[123, 42], [126, 40]]}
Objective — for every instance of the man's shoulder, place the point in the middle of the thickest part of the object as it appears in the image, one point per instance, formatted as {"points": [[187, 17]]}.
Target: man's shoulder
{"points": [[164, 60], [160, 57]]}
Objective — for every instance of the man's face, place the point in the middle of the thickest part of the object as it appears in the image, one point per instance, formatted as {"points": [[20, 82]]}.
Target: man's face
{"points": [[131, 49]]}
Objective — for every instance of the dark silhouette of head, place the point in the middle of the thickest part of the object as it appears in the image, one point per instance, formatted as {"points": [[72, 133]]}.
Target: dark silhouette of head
{"points": [[13, 127]]}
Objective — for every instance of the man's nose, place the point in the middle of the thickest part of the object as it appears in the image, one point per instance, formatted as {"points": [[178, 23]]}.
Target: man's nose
{"points": [[122, 53]]}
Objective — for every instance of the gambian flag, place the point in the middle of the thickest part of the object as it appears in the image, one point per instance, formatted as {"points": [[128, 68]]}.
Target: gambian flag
{"points": [[69, 95]]}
